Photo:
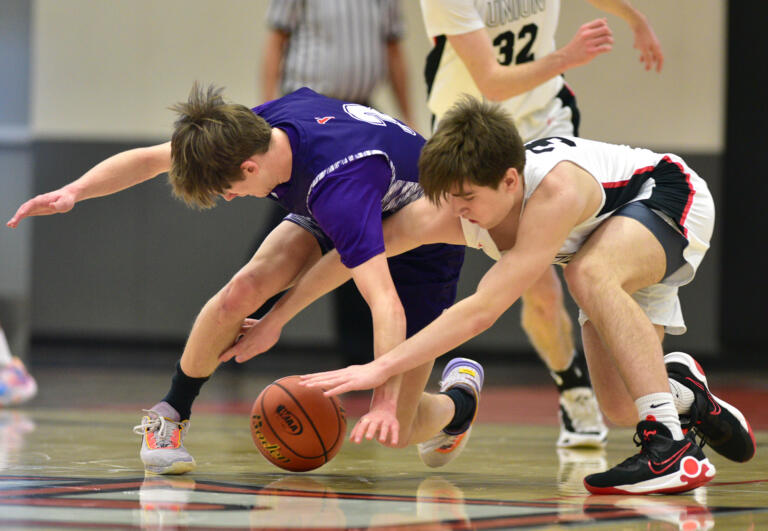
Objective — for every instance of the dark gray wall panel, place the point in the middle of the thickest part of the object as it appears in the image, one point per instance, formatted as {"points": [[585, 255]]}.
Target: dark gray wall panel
{"points": [[135, 264], [141, 264]]}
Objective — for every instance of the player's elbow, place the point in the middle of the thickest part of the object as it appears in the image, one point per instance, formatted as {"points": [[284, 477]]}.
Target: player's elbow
{"points": [[387, 308], [481, 320], [491, 88], [492, 93]]}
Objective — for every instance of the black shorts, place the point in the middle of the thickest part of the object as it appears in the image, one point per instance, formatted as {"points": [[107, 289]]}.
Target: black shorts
{"points": [[671, 240]]}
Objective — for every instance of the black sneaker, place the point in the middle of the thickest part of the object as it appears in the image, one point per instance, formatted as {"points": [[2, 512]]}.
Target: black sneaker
{"points": [[663, 465], [720, 425]]}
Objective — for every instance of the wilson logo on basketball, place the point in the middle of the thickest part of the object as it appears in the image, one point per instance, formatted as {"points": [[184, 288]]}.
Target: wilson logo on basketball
{"points": [[271, 448], [290, 422]]}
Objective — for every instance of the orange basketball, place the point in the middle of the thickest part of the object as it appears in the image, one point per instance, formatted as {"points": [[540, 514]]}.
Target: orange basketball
{"points": [[296, 427]]}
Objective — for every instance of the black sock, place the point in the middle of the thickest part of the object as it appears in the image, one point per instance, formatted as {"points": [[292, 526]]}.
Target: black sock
{"points": [[465, 405], [574, 376], [183, 392]]}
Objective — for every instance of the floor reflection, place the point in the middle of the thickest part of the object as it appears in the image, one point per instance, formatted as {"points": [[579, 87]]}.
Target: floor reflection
{"points": [[14, 427]]}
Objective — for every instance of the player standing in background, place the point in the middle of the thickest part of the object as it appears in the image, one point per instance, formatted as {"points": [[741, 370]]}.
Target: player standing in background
{"points": [[343, 49], [506, 52]]}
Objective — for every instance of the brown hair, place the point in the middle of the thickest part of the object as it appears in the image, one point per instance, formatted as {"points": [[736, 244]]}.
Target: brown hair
{"points": [[210, 141], [475, 142]]}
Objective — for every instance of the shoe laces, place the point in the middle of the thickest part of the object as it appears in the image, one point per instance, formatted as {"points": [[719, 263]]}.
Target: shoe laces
{"points": [[163, 427], [645, 450]]}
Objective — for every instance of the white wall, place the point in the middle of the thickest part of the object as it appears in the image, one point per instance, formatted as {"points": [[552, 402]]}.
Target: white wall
{"points": [[111, 68]]}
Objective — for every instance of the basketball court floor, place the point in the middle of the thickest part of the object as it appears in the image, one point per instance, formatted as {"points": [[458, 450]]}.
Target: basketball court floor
{"points": [[69, 459]]}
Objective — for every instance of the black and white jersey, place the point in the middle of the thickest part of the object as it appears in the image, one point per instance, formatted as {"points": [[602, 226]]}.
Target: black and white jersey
{"points": [[663, 182], [520, 32]]}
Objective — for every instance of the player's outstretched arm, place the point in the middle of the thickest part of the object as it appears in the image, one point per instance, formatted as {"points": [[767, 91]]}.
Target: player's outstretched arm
{"points": [[646, 41], [500, 82], [116, 173], [539, 237]]}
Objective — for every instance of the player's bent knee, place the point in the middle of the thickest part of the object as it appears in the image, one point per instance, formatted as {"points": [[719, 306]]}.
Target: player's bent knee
{"points": [[583, 279], [545, 292], [240, 297], [542, 306]]}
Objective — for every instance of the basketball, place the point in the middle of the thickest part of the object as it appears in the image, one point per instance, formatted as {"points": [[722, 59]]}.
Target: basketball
{"points": [[296, 427]]}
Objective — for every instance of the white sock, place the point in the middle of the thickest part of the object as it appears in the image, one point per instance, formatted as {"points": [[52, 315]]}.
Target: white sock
{"points": [[5, 350], [661, 406], [682, 395]]}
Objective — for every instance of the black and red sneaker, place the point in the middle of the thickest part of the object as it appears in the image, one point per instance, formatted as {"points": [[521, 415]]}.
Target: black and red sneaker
{"points": [[720, 425], [663, 465]]}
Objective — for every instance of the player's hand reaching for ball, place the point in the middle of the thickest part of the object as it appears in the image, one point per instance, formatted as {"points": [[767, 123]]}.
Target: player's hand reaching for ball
{"points": [[352, 378], [255, 337], [381, 420], [56, 202]]}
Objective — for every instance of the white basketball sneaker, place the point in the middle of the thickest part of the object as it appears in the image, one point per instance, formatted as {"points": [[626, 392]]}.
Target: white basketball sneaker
{"points": [[162, 444], [581, 423], [444, 447]]}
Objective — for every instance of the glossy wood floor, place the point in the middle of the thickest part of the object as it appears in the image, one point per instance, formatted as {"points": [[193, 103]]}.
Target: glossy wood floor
{"points": [[70, 460]]}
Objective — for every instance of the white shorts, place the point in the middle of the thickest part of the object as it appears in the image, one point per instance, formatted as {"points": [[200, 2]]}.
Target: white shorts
{"points": [[662, 306]]}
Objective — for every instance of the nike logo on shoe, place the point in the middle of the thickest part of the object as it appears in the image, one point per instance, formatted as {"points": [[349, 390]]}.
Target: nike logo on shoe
{"points": [[715, 406], [667, 463]]}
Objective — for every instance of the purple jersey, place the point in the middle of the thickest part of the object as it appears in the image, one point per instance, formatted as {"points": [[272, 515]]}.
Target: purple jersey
{"points": [[351, 164]]}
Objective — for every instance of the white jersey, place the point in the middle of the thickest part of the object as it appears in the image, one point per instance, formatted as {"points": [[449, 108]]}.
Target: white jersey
{"points": [[662, 181], [519, 31]]}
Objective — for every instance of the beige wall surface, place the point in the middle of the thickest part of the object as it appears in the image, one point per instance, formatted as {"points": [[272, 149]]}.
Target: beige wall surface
{"points": [[109, 69]]}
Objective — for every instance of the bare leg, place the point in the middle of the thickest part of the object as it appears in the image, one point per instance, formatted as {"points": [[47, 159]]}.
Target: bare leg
{"points": [[612, 394], [621, 257], [285, 253], [421, 415], [546, 321]]}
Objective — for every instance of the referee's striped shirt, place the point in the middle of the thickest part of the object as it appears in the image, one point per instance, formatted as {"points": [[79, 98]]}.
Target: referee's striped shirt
{"points": [[336, 47]]}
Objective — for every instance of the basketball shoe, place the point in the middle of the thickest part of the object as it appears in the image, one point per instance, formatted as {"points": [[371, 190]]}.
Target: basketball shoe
{"points": [[162, 443], [722, 426], [663, 465], [16, 384], [581, 423], [444, 447]]}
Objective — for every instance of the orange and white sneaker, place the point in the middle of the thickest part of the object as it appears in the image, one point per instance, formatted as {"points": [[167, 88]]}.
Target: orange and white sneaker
{"points": [[162, 443], [444, 447], [16, 384]]}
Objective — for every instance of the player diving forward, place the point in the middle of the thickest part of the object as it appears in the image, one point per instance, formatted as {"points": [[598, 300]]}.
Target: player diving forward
{"points": [[630, 225], [338, 168]]}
